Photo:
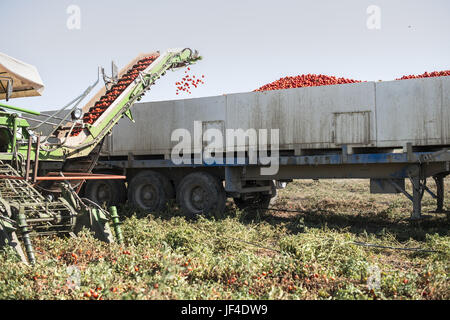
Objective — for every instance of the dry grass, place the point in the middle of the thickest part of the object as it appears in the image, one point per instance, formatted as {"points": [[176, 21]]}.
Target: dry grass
{"points": [[303, 250]]}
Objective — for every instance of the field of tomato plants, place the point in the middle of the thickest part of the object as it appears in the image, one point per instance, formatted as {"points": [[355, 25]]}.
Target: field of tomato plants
{"points": [[304, 249]]}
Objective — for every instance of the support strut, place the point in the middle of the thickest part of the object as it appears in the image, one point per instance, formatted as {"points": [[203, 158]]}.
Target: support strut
{"points": [[116, 224], [25, 233], [439, 180], [418, 190]]}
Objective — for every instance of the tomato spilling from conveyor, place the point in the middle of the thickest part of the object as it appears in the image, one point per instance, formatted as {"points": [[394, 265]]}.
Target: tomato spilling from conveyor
{"points": [[188, 82]]}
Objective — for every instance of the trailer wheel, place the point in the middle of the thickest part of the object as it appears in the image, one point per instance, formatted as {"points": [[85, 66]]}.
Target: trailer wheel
{"points": [[150, 190], [111, 192], [201, 193]]}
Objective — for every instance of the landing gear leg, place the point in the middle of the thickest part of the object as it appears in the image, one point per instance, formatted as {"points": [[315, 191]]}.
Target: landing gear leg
{"points": [[418, 190], [439, 180]]}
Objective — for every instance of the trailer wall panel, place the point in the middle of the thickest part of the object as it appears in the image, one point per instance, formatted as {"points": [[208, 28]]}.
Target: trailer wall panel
{"points": [[369, 114], [410, 111]]}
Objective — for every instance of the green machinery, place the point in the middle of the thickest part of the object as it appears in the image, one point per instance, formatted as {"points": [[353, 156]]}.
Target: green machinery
{"points": [[32, 205]]}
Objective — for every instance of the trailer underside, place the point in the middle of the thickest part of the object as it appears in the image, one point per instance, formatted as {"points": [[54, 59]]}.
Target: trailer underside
{"points": [[387, 172]]}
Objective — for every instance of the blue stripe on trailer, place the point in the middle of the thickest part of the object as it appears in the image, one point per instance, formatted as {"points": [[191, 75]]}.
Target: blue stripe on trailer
{"points": [[332, 159]]}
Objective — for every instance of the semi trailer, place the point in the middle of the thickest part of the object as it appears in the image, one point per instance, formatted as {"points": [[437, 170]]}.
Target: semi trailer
{"points": [[383, 131]]}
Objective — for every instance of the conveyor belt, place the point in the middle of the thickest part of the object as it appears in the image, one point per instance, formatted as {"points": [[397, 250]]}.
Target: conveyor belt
{"points": [[112, 94], [107, 107]]}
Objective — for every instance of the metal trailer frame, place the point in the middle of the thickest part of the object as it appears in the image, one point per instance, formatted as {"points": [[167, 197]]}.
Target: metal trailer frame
{"points": [[387, 171]]}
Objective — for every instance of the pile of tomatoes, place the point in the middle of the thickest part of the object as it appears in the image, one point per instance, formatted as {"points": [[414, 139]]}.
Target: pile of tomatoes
{"points": [[314, 80], [116, 90], [305, 80], [427, 75]]}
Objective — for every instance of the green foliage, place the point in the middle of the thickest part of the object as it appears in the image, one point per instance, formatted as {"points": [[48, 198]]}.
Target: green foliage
{"points": [[277, 255], [350, 292]]}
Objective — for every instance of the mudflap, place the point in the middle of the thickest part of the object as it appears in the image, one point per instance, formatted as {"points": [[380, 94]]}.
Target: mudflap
{"points": [[8, 235], [96, 221], [100, 226]]}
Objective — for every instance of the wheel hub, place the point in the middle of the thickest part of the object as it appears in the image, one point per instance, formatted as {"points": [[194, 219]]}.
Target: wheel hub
{"points": [[104, 193], [199, 197], [148, 196], [147, 193]]}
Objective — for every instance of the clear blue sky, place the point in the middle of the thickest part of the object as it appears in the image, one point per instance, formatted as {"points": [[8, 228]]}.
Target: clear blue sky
{"points": [[245, 44]]}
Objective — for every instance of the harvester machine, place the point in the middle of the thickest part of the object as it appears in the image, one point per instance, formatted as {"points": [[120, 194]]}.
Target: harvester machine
{"points": [[32, 204]]}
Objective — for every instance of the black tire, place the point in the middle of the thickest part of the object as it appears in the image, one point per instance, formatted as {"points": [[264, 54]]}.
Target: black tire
{"points": [[201, 193], [258, 201], [150, 191], [111, 192]]}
